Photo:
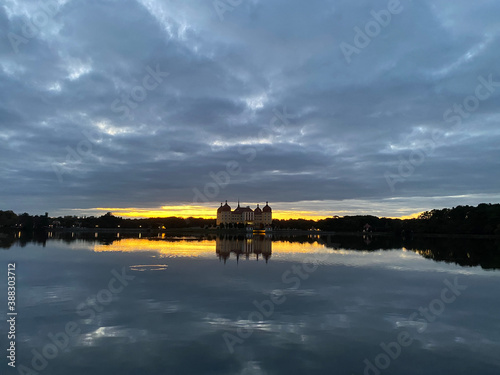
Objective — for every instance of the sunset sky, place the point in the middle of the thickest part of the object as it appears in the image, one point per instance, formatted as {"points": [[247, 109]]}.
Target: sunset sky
{"points": [[170, 107]]}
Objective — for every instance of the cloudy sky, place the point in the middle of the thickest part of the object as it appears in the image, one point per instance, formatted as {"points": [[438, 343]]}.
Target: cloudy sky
{"points": [[319, 107]]}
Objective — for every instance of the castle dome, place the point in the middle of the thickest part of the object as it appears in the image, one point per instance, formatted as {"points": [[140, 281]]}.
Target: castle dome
{"points": [[226, 207], [257, 210], [267, 208]]}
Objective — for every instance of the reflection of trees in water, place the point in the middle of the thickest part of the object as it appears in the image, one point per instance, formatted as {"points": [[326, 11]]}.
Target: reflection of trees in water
{"points": [[10, 237], [462, 251]]}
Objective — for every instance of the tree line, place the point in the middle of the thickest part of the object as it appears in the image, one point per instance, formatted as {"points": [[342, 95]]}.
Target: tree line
{"points": [[9, 219], [482, 219]]}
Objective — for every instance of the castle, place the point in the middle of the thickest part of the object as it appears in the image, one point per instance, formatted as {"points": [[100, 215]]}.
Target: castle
{"points": [[245, 215]]}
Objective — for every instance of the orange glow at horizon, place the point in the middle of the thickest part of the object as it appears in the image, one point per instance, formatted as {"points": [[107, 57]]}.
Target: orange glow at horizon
{"points": [[164, 211], [407, 217], [203, 212], [207, 212]]}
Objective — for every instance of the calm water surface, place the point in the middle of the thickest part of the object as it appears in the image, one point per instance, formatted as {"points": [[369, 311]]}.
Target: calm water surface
{"points": [[182, 305]]}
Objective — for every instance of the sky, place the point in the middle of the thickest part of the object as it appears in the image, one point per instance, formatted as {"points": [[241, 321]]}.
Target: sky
{"points": [[169, 107]]}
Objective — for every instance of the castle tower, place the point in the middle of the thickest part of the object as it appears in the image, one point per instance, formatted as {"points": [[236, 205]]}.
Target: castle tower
{"points": [[224, 214], [267, 214]]}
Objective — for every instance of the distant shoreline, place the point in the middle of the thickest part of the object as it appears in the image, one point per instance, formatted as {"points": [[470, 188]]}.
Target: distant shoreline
{"points": [[203, 231]]}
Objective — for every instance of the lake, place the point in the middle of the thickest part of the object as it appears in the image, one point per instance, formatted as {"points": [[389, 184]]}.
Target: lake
{"points": [[170, 304]]}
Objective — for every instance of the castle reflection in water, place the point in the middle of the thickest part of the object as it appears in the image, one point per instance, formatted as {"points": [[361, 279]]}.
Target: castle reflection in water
{"points": [[471, 252], [255, 247]]}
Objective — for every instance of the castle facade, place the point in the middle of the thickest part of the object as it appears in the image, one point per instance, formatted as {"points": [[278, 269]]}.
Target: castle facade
{"points": [[245, 215]]}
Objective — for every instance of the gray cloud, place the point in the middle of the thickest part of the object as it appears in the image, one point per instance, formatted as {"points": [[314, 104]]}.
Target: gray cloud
{"points": [[349, 125]]}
